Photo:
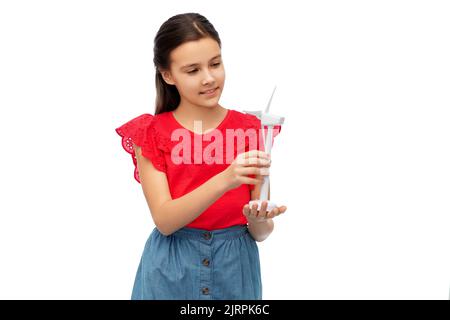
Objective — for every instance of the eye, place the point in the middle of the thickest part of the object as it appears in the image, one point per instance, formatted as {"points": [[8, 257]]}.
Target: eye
{"points": [[195, 70]]}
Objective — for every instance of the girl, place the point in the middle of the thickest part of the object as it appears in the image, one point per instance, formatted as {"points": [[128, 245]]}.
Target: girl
{"points": [[203, 245]]}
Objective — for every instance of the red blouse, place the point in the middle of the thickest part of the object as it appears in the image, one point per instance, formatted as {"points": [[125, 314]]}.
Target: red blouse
{"points": [[153, 134]]}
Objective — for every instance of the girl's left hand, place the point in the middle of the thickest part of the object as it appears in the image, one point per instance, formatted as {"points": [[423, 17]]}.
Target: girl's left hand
{"points": [[253, 215]]}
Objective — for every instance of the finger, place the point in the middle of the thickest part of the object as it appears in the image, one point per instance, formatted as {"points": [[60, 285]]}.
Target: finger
{"points": [[264, 171], [256, 162], [248, 180], [257, 154], [254, 210], [275, 212], [270, 215], [262, 211], [243, 157], [246, 209], [283, 209]]}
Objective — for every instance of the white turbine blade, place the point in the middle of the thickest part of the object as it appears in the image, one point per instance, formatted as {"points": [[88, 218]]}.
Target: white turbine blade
{"points": [[270, 101]]}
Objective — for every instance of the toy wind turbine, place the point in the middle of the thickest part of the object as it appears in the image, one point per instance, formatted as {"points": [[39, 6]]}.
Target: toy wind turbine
{"points": [[269, 120]]}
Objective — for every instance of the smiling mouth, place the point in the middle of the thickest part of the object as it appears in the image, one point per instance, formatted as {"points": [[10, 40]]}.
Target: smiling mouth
{"points": [[209, 91]]}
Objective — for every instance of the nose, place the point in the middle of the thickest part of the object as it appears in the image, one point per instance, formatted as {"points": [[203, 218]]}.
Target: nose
{"points": [[207, 78]]}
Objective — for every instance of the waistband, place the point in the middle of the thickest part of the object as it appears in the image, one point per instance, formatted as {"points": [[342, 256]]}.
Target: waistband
{"points": [[219, 234]]}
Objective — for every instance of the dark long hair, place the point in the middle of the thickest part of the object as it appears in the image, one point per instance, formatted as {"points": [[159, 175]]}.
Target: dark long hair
{"points": [[175, 31]]}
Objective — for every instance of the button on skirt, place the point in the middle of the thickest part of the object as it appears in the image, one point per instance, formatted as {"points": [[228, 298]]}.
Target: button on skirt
{"points": [[196, 264]]}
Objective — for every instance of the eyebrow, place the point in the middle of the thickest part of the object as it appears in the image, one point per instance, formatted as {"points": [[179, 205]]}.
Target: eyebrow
{"points": [[196, 64]]}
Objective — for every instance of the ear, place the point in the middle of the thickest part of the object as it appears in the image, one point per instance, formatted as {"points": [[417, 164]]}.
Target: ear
{"points": [[167, 77]]}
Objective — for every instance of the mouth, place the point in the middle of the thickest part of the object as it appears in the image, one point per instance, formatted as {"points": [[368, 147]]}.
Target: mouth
{"points": [[211, 91]]}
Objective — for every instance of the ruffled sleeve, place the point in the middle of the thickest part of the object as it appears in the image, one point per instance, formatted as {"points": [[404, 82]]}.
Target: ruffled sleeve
{"points": [[255, 123], [141, 131]]}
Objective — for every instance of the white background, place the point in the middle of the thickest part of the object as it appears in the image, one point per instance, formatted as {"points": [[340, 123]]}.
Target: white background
{"points": [[362, 162]]}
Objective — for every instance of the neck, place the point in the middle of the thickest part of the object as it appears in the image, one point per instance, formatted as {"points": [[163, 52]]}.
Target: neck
{"points": [[190, 113]]}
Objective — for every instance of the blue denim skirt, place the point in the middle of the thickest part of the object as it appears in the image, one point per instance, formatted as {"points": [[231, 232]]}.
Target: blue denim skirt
{"points": [[196, 264]]}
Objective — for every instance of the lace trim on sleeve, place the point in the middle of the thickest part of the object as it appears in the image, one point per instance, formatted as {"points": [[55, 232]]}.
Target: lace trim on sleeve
{"points": [[141, 132]]}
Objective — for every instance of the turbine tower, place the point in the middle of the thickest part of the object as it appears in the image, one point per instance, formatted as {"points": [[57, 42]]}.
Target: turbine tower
{"points": [[269, 120]]}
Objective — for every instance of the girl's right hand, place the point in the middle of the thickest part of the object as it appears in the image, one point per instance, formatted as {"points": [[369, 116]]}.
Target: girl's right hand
{"points": [[253, 162]]}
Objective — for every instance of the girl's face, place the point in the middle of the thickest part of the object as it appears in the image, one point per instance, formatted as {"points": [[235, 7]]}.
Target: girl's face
{"points": [[196, 68]]}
